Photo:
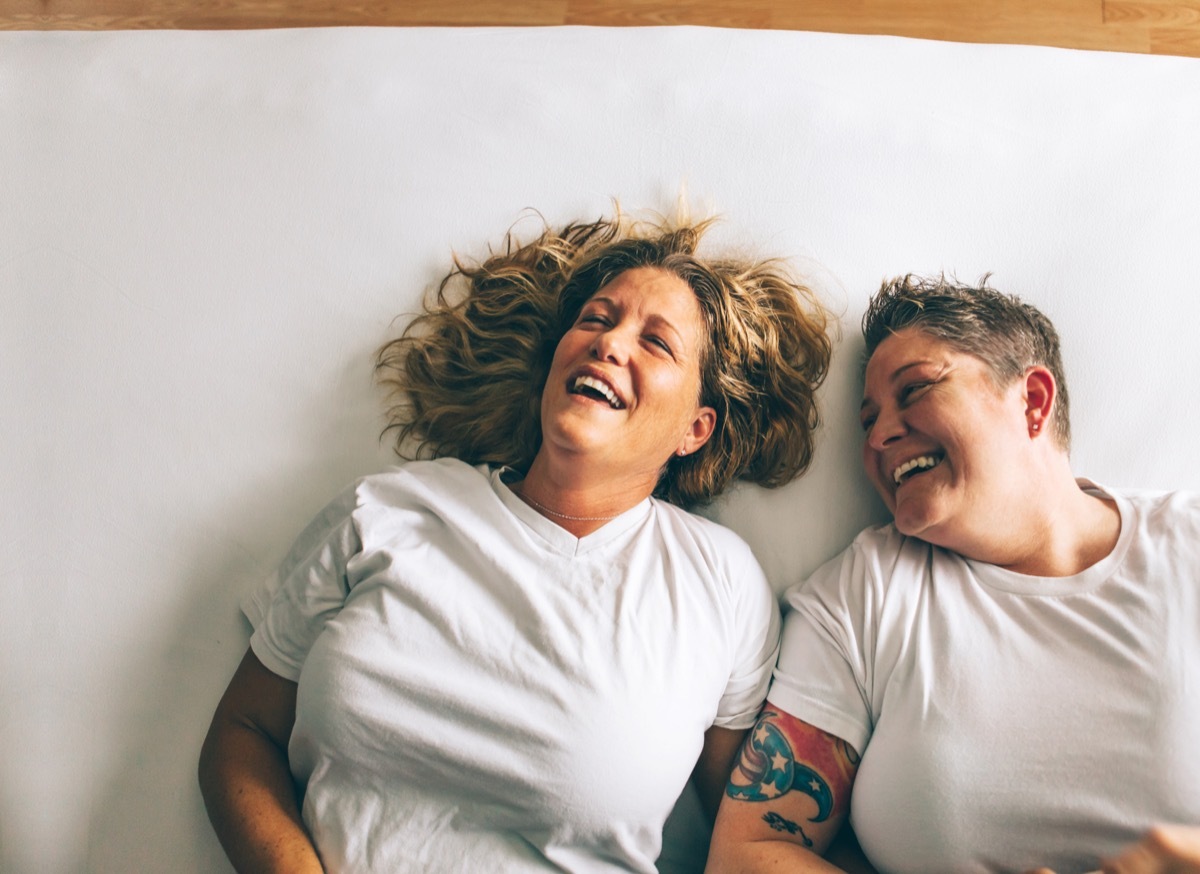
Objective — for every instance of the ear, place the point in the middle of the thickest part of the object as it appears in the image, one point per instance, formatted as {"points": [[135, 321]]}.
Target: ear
{"points": [[698, 432], [1040, 392]]}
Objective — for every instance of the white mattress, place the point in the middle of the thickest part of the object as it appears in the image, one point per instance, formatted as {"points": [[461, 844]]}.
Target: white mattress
{"points": [[204, 236]]}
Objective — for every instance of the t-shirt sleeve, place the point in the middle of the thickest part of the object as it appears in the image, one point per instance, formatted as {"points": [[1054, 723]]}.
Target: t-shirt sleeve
{"points": [[823, 674], [756, 633], [310, 588]]}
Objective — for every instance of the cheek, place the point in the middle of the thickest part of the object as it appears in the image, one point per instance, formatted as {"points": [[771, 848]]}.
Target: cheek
{"points": [[871, 468], [569, 345], [563, 356], [556, 362], [573, 345], [869, 459], [684, 396]]}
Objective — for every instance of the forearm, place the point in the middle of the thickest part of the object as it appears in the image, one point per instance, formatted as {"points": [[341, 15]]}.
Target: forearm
{"points": [[251, 800], [766, 856], [1173, 848]]}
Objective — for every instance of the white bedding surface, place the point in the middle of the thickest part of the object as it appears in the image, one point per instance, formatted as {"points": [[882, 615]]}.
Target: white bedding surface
{"points": [[204, 236]]}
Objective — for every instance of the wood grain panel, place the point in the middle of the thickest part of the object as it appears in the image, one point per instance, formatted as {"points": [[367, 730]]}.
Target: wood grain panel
{"points": [[732, 13], [221, 14], [1181, 14], [1158, 26], [1175, 41]]}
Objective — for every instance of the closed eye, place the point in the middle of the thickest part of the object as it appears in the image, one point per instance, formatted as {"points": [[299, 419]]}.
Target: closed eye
{"points": [[661, 344], [912, 391]]}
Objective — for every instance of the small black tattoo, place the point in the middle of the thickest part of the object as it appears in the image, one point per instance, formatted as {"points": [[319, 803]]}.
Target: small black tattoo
{"points": [[777, 822]]}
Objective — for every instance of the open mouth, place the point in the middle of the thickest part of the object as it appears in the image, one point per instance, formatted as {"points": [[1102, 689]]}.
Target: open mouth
{"points": [[915, 467], [596, 389]]}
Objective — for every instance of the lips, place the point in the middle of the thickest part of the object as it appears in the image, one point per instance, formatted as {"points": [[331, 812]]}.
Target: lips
{"points": [[593, 387]]}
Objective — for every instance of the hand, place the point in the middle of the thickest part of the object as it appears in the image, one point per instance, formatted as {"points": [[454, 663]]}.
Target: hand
{"points": [[1165, 849]]}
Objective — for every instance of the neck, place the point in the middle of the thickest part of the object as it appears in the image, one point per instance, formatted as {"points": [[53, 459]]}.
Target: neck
{"points": [[1062, 530], [579, 501]]}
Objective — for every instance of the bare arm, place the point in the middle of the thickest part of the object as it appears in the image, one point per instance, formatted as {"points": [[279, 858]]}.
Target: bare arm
{"points": [[1164, 849], [786, 800], [244, 774], [712, 769]]}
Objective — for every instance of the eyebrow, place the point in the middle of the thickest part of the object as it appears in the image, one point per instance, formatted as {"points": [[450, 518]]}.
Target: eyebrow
{"points": [[909, 366]]}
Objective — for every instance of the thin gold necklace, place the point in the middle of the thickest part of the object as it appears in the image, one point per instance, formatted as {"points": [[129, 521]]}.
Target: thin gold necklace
{"points": [[542, 506]]}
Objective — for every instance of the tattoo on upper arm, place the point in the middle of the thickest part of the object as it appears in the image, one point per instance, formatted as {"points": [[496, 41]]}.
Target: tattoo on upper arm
{"points": [[771, 767], [767, 769]]}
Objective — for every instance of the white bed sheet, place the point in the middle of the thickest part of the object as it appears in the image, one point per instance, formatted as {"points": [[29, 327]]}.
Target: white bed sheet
{"points": [[204, 236]]}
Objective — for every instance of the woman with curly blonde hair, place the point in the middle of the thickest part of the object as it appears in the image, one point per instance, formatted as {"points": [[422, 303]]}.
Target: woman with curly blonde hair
{"points": [[512, 651]]}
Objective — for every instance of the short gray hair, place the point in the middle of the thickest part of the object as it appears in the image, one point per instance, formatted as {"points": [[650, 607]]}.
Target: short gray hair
{"points": [[1005, 333]]}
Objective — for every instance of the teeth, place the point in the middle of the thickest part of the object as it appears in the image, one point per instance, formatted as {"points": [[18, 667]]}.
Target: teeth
{"points": [[924, 462], [601, 387]]}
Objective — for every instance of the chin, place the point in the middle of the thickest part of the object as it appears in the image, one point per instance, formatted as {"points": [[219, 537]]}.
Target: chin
{"points": [[914, 522]]}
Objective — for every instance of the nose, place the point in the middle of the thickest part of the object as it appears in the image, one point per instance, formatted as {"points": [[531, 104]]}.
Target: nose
{"points": [[887, 428], [611, 345]]}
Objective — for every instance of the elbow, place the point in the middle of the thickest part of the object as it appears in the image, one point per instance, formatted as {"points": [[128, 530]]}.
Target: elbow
{"points": [[208, 765], [724, 858], [205, 766]]}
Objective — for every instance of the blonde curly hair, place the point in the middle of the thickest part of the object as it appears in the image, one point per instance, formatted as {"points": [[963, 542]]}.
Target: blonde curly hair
{"points": [[466, 376]]}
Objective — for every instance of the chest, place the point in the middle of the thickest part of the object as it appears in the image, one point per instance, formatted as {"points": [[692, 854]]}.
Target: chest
{"points": [[529, 691], [1068, 722]]}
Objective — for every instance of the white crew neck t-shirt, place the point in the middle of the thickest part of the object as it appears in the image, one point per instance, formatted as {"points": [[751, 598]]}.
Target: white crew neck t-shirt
{"points": [[1007, 722], [481, 691]]}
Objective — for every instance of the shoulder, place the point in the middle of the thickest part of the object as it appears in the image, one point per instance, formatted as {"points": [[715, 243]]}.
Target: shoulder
{"points": [[418, 494], [716, 555], [1157, 512], [431, 482], [716, 543], [1169, 522], [437, 473], [878, 557], [1162, 503], [1174, 509], [882, 542]]}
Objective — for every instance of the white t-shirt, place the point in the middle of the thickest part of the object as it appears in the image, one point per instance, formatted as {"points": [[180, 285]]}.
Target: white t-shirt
{"points": [[481, 691], [1005, 721]]}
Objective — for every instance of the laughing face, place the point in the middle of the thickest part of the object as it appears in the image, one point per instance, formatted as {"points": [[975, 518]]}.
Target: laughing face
{"points": [[624, 385], [943, 444]]}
